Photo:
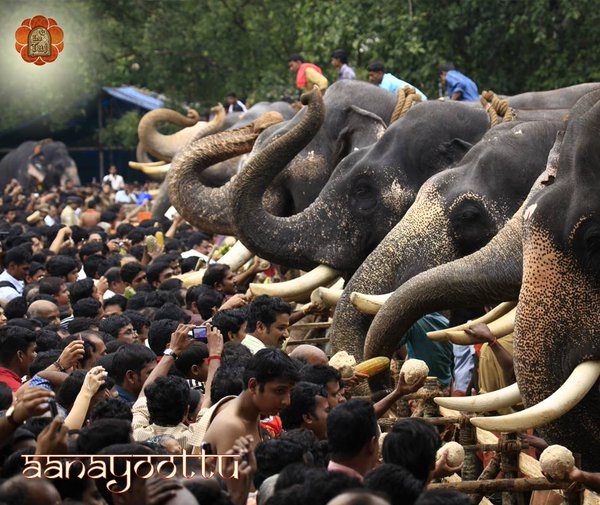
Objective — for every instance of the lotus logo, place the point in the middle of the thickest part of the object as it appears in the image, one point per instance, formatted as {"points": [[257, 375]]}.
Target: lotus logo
{"points": [[39, 40]]}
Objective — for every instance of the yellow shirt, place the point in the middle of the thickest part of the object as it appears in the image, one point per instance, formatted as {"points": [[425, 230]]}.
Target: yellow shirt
{"points": [[313, 77]]}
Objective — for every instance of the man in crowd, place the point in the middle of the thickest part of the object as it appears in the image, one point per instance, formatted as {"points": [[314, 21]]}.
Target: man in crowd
{"points": [[268, 322], [379, 77], [16, 263], [339, 61], [114, 179], [234, 105], [458, 85], [307, 74]]}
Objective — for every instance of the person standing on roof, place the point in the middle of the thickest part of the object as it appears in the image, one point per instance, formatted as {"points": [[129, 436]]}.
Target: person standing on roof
{"points": [[459, 86], [388, 81], [307, 74]]}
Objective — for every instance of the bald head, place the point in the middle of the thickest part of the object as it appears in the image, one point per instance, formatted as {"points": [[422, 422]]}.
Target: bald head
{"points": [[45, 311], [18, 489], [311, 354], [358, 498]]}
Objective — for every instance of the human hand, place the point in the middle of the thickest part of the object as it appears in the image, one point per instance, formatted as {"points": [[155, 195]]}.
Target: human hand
{"points": [[442, 469], [180, 339], [31, 402], [159, 490], [240, 487], [533, 441], [480, 334], [53, 438], [102, 286], [94, 379], [402, 388], [66, 231], [355, 379], [214, 340], [71, 354], [234, 302]]}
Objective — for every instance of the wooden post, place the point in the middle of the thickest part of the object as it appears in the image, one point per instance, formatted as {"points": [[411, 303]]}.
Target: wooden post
{"points": [[489, 472], [509, 464], [100, 151], [487, 487], [467, 436]]}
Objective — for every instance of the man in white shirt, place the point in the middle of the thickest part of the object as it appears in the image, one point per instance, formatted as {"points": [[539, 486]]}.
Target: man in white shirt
{"points": [[234, 105], [12, 280], [268, 322], [199, 246], [114, 179], [125, 195]]}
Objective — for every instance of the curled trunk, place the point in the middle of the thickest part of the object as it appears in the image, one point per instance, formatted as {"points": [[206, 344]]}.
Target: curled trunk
{"points": [[208, 208], [164, 147]]}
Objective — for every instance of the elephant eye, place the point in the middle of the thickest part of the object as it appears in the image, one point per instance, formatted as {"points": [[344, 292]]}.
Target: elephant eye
{"points": [[469, 215], [587, 244]]}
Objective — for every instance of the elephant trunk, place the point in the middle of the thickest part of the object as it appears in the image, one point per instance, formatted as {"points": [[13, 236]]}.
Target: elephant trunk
{"points": [[164, 147], [280, 239], [491, 275], [208, 208]]}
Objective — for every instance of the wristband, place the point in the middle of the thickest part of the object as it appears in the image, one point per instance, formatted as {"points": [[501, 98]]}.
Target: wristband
{"points": [[57, 365], [493, 342], [215, 356]]}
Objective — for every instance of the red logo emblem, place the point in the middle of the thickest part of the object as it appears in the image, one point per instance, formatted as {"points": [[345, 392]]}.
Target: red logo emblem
{"points": [[39, 40]]}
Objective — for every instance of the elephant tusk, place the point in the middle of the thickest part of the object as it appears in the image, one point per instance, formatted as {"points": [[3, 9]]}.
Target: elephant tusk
{"points": [[495, 313], [236, 256], [328, 297], [500, 399], [300, 288], [573, 390], [501, 327], [154, 168], [368, 304]]}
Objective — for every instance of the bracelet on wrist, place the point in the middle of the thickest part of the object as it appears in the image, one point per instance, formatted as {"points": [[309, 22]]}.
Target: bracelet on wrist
{"points": [[214, 356], [493, 342], [59, 366]]}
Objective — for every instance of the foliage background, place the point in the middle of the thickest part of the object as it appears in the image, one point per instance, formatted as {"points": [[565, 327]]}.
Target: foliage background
{"points": [[195, 51]]}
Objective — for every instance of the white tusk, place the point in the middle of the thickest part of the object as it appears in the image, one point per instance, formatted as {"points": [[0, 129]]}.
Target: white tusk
{"points": [[499, 328], [573, 390], [328, 297], [500, 399], [193, 278], [368, 304], [300, 288], [154, 168], [236, 256], [487, 318]]}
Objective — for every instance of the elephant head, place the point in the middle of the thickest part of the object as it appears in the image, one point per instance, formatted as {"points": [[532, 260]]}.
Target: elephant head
{"points": [[456, 212], [369, 191], [164, 147], [51, 165]]}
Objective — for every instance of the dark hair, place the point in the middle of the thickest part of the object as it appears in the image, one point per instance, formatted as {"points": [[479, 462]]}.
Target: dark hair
{"points": [[132, 357], [35, 267], [155, 269], [302, 402], [168, 399], [173, 312], [215, 274], [235, 354], [138, 321], [123, 229], [268, 365], [18, 256], [102, 433], [296, 57], [160, 334], [207, 301], [112, 408], [119, 300], [16, 308], [229, 321], [350, 427], [188, 264], [113, 324], [46, 340], [226, 382], [412, 443], [328, 485], [266, 309], [399, 485], [95, 266], [43, 360], [71, 387], [61, 265], [198, 237], [12, 340], [194, 355], [79, 324], [13, 466], [172, 284], [6, 397], [232, 94], [320, 374], [443, 497], [130, 270], [90, 249], [274, 455], [83, 288], [51, 285], [341, 55], [446, 67], [113, 274], [376, 66], [87, 307]]}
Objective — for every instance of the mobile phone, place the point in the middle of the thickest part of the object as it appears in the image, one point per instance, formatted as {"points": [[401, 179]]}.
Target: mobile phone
{"points": [[53, 408], [199, 333]]}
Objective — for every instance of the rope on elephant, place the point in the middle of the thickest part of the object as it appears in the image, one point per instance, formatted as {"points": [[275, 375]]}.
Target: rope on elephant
{"points": [[407, 97], [497, 108]]}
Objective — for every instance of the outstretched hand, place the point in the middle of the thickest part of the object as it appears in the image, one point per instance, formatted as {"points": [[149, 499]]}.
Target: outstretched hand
{"points": [[403, 388], [442, 469], [480, 333]]}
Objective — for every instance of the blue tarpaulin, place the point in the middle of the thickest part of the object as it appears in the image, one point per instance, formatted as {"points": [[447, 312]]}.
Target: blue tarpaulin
{"points": [[135, 96]]}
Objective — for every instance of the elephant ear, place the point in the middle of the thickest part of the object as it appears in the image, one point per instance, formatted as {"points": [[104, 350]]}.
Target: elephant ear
{"points": [[453, 151], [362, 129], [553, 158]]}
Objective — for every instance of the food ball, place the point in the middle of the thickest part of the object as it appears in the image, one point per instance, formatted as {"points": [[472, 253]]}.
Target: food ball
{"points": [[414, 370], [455, 454], [556, 462]]}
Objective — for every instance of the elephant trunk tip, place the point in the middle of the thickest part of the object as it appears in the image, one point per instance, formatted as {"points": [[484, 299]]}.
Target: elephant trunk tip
{"points": [[311, 96]]}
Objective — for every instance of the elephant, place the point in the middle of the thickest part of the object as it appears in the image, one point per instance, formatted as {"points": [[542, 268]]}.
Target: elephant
{"points": [[45, 162], [220, 173], [547, 258], [357, 115], [367, 194], [561, 98], [456, 212]]}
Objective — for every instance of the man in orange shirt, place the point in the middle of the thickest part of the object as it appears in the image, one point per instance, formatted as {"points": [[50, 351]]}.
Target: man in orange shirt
{"points": [[307, 74]]}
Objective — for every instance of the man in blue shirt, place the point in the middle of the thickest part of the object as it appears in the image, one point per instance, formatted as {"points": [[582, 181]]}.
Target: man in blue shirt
{"points": [[388, 81], [458, 85]]}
